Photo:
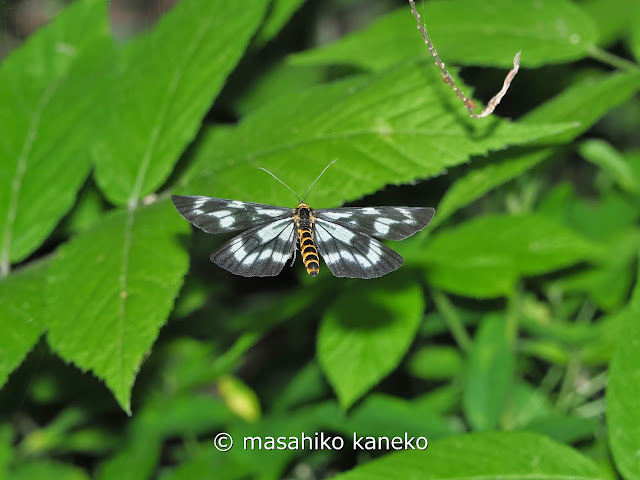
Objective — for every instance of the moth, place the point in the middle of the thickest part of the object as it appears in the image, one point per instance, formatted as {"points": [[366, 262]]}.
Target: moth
{"points": [[343, 237]]}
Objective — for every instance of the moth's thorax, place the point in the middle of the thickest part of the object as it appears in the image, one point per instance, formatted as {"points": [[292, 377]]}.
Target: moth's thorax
{"points": [[303, 216], [304, 219]]}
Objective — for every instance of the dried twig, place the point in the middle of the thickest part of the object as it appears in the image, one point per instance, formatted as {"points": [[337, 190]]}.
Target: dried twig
{"points": [[448, 79]]}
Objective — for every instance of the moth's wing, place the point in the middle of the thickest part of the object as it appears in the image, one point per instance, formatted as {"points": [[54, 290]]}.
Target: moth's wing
{"points": [[349, 253], [387, 223], [261, 251], [219, 215]]}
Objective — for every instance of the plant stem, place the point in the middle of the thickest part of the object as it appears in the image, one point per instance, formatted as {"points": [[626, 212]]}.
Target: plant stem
{"points": [[453, 320], [613, 60], [512, 314]]}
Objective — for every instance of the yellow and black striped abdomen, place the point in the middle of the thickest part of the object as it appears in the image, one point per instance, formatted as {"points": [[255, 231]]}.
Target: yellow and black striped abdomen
{"points": [[309, 251], [304, 218]]}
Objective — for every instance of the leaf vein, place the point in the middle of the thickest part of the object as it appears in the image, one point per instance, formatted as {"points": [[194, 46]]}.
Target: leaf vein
{"points": [[21, 169]]}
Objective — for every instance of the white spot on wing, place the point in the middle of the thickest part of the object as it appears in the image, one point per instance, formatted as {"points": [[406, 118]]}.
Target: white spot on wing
{"points": [[361, 260], [331, 258], [375, 247], [336, 215], [266, 253], [227, 222], [281, 256], [199, 203], [251, 258], [374, 254], [236, 241], [381, 226], [240, 253], [340, 233], [271, 212], [271, 231], [221, 213]]}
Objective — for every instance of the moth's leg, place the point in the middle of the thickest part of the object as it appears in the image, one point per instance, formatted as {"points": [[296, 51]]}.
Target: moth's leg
{"points": [[294, 253]]}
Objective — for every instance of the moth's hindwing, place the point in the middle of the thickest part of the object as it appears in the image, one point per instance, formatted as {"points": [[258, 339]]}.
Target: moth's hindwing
{"points": [[387, 223], [219, 215], [353, 254], [261, 251]]}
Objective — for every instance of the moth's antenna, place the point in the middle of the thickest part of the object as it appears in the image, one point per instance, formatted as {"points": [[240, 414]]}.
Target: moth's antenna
{"points": [[260, 168], [314, 182]]}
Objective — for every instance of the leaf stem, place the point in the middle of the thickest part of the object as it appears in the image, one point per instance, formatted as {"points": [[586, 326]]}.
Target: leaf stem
{"points": [[567, 390], [514, 307], [602, 55], [451, 317]]}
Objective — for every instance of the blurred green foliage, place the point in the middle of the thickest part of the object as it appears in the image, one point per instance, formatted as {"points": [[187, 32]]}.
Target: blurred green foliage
{"points": [[124, 351]]}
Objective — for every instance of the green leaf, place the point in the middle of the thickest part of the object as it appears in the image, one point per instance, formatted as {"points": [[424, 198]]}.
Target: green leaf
{"points": [[366, 332], [111, 289], [609, 281], [46, 469], [21, 315], [592, 343], [186, 364], [88, 210], [623, 393], [599, 349], [526, 405], [307, 385], [469, 33], [137, 461], [484, 175], [548, 351], [565, 428], [483, 455], [394, 127], [193, 296], [488, 375], [586, 102], [165, 415], [610, 160], [435, 363], [43, 158], [205, 460], [384, 415], [280, 12], [161, 86], [635, 33], [53, 436], [273, 82], [612, 19], [610, 221], [239, 398], [441, 400], [607, 220], [484, 257], [189, 413]]}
